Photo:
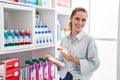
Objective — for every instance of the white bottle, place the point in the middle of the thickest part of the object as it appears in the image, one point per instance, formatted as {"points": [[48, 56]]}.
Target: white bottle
{"points": [[54, 60], [50, 37], [37, 17], [44, 3], [63, 50]]}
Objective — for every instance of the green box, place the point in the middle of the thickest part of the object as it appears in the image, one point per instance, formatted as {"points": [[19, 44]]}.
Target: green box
{"points": [[39, 2]]}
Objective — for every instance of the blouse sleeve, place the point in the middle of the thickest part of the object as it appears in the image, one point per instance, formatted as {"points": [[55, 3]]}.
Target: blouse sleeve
{"points": [[91, 62]]}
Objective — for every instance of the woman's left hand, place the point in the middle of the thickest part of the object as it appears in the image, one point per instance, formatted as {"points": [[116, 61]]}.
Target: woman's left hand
{"points": [[71, 57]]}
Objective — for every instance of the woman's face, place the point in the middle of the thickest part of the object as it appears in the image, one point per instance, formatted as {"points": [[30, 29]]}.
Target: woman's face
{"points": [[78, 21]]}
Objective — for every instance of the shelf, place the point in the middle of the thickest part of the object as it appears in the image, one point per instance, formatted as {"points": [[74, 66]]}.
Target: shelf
{"points": [[44, 46], [29, 5], [22, 48]]}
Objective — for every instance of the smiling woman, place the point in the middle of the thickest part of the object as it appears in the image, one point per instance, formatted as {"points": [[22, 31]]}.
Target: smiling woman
{"points": [[82, 58]]}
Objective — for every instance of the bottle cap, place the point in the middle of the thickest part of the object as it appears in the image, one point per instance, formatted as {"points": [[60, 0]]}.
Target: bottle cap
{"points": [[60, 48]]}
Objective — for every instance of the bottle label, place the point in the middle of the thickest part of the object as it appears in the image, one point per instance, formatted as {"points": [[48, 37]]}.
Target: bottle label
{"points": [[40, 73]]}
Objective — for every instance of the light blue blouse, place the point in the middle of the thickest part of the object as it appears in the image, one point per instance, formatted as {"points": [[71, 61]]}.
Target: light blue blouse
{"points": [[84, 48]]}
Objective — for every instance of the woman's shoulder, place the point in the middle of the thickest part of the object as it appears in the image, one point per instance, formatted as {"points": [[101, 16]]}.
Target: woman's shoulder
{"points": [[88, 36]]}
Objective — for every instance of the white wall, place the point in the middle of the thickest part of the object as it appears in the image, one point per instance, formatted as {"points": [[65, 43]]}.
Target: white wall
{"points": [[103, 25]]}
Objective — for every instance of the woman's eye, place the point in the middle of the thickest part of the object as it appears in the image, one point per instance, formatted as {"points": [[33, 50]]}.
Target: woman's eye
{"points": [[77, 18], [83, 19]]}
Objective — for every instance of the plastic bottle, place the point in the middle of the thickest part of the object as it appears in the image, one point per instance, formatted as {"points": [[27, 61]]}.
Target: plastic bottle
{"points": [[36, 65], [44, 3], [41, 69], [58, 30], [47, 37], [49, 57], [11, 38], [46, 69], [6, 38], [37, 17], [28, 37], [40, 38], [17, 35], [43, 37], [27, 70], [23, 38], [63, 50], [32, 72], [50, 36]]}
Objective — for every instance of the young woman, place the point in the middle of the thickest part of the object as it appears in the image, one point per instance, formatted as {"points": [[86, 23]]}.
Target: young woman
{"points": [[82, 59]]}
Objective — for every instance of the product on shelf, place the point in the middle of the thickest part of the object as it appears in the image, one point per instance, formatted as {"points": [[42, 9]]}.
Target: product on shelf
{"points": [[32, 71], [54, 60], [17, 37], [33, 2], [6, 38], [2, 71], [63, 3], [37, 17], [12, 69], [14, 0], [43, 35], [11, 38], [28, 37], [58, 30]]}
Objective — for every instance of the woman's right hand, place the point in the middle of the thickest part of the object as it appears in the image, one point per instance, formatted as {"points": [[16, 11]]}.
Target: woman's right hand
{"points": [[56, 64]]}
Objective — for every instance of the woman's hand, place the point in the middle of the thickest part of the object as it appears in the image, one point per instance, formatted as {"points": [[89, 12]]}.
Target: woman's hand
{"points": [[71, 57], [56, 64]]}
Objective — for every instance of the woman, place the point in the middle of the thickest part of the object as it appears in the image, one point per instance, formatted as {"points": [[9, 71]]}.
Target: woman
{"points": [[83, 59]]}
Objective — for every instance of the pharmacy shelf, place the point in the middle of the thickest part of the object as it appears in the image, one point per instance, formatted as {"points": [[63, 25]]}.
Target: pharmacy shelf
{"points": [[29, 5], [23, 48]]}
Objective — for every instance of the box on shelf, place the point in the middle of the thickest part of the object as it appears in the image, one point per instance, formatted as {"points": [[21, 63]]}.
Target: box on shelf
{"points": [[13, 0], [13, 74], [63, 3], [2, 71], [11, 63]]}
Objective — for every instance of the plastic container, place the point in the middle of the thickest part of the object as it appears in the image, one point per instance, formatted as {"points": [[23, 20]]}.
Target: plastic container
{"points": [[58, 30], [63, 50], [17, 37], [23, 38], [49, 57], [28, 37], [6, 38], [11, 38]]}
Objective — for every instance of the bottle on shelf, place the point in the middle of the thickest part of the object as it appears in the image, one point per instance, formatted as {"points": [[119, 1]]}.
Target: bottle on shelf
{"points": [[50, 37], [6, 38], [58, 30], [23, 38], [11, 38], [32, 72], [17, 37], [37, 18], [28, 37]]}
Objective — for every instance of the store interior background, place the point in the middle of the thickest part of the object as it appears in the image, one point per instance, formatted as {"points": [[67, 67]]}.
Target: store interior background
{"points": [[103, 24]]}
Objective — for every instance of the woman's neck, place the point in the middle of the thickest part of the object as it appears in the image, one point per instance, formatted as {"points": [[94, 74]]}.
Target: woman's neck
{"points": [[73, 34]]}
